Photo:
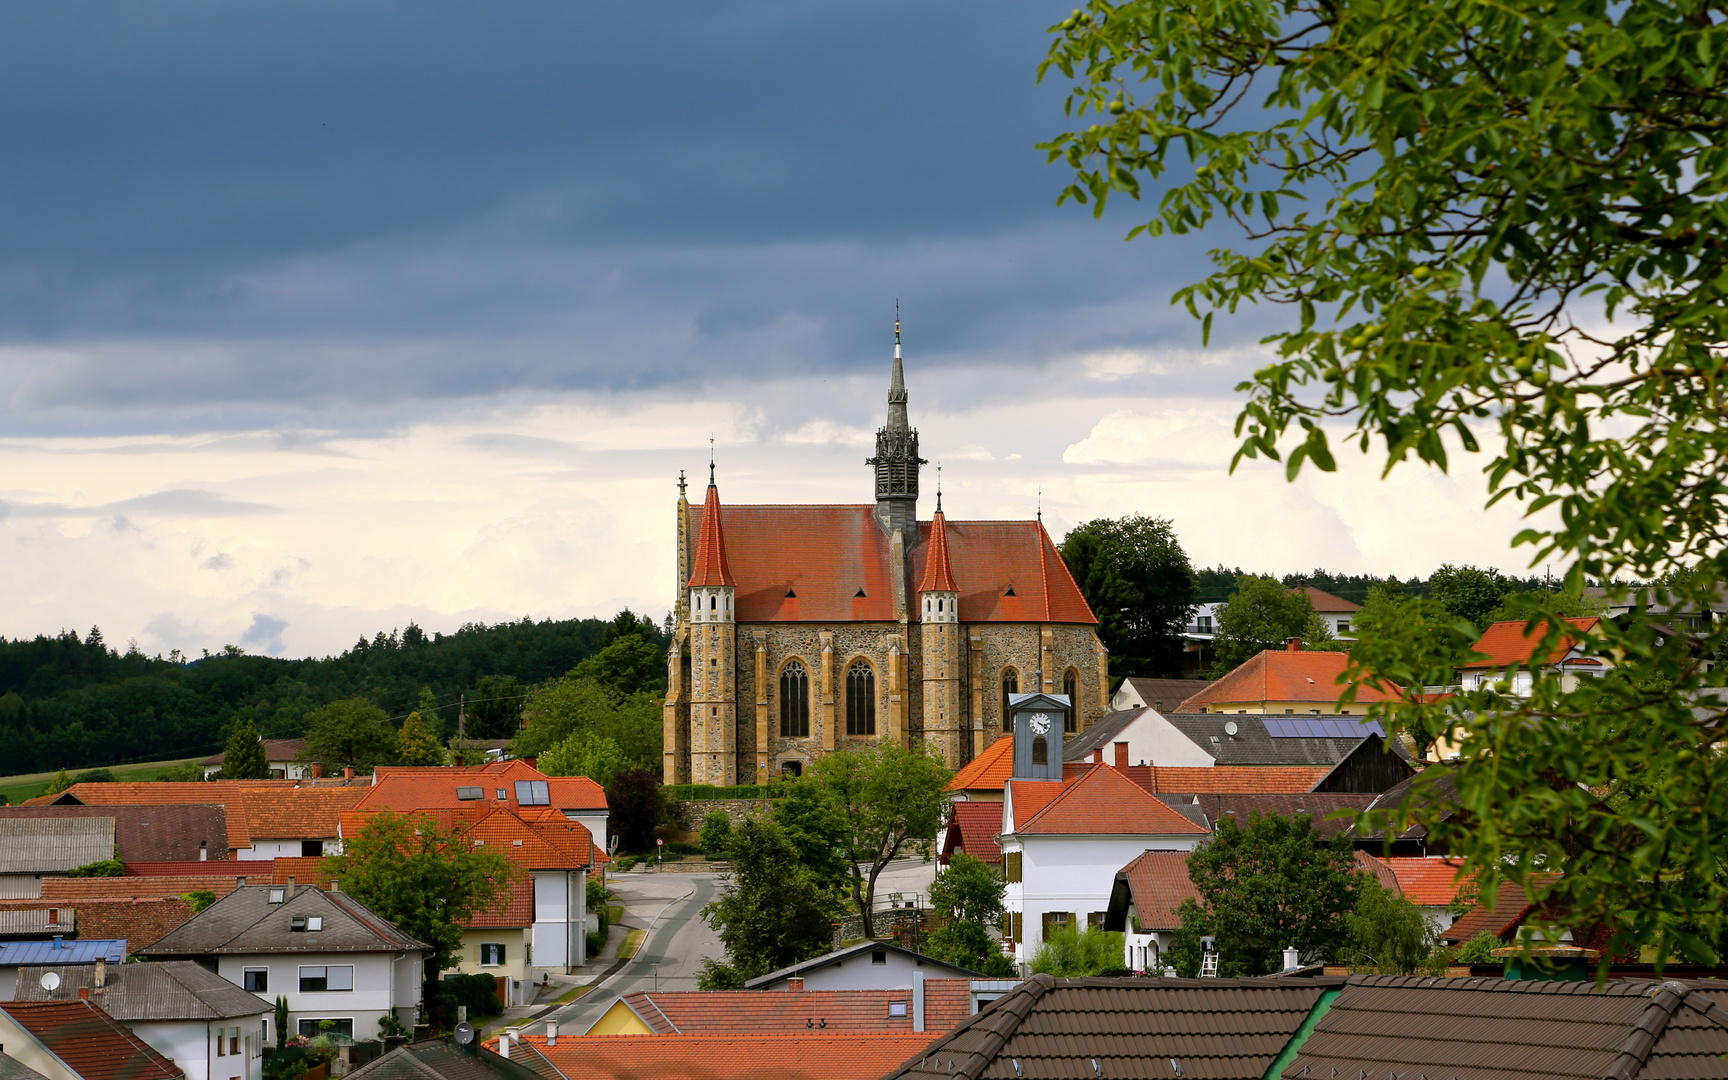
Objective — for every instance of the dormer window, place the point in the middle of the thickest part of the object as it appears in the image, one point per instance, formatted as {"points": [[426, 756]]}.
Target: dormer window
{"points": [[278, 895], [1010, 592], [503, 795], [859, 595]]}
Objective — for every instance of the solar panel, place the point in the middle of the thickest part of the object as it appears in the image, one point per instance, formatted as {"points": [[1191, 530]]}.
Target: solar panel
{"points": [[1321, 727]]}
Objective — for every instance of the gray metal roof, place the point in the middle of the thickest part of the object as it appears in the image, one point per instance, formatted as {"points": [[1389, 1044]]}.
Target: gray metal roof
{"points": [[41, 846], [245, 921], [442, 1059], [146, 833], [838, 955], [1109, 726], [34, 922], [1252, 745], [168, 990], [18, 953], [13, 1069]]}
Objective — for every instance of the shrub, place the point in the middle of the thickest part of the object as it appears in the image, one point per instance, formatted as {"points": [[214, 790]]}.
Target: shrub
{"points": [[596, 942], [716, 830], [1478, 950], [680, 847], [1069, 954], [105, 868], [623, 864], [478, 992]]}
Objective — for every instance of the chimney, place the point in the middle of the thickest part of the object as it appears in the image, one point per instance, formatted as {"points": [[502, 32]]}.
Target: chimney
{"points": [[290, 884], [1098, 755], [1292, 959], [1293, 645], [551, 1033], [504, 1045], [1121, 755], [59, 941], [83, 993], [101, 972], [347, 772], [317, 769], [795, 984]]}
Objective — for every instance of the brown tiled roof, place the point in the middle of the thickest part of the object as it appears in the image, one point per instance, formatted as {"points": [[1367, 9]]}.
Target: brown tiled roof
{"points": [[1006, 571], [972, 828], [1324, 601], [1228, 779], [140, 921], [1104, 801], [274, 750], [1511, 906], [1159, 882], [947, 1002], [147, 833], [224, 793], [91, 1042], [60, 888], [1166, 694], [309, 813], [989, 770], [1378, 870], [1500, 1029], [790, 1056], [1318, 805], [1046, 1028]]}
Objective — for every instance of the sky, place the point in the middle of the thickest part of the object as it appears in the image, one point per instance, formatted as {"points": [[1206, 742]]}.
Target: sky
{"points": [[320, 318]]}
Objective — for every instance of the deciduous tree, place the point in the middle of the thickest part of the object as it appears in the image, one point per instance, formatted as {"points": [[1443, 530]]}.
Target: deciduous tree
{"points": [[353, 732], [967, 897], [495, 708], [634, 803], [1496, 229], [1263, 614], [415, 745], [1139, 583], [769, 914], [1390, 934]]}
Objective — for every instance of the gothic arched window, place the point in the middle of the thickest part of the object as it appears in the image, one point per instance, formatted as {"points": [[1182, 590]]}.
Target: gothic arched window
{"points": [[794, 701], [861, 699], [1040, 751], [1071, 687], [1010, 685]]}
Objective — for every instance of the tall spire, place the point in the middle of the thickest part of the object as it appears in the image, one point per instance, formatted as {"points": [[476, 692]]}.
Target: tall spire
{"points": [[896, 461], [938, 575], [711, 568]]}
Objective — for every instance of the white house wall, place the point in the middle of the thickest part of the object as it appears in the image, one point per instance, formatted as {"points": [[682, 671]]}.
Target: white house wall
{"points": [[1071, 873], [594, 821], [281, 849], [560, 919], [1158, 742], [379, 983], [191, 1044]]}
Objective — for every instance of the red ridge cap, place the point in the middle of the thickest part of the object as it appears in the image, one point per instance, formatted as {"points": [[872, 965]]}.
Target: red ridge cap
{"points": [[710, 567]]}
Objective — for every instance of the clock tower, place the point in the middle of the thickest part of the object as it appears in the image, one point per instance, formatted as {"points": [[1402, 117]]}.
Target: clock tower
{"points": [[1038, 735]]}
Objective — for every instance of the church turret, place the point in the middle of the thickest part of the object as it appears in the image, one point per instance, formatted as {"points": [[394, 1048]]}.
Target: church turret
{"points": [[896, 461], [711, 591], [943, 648]]}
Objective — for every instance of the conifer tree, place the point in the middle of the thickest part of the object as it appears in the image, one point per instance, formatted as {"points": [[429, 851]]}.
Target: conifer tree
{"points": [[244, 757], [415, 745]]}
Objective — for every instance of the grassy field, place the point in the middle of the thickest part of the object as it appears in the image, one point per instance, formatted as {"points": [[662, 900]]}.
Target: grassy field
{"points": [[29, 785]]}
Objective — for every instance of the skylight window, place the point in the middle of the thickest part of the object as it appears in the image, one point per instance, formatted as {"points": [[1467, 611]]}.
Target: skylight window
{"points": [[278, 895], [533, 793], [467, 793]]}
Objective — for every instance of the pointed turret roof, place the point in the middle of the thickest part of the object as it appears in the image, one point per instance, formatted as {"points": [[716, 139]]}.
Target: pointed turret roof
{"points": [[710, 566], [937, 575]]}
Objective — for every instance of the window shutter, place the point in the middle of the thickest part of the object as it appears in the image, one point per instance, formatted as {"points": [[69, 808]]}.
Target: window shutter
{"points": [[1019, 927], [500, 953]]}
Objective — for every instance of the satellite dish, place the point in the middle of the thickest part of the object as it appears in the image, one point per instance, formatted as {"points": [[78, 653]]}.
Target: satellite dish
{"points": [[50, 981], [1230, 728], [464, 1033]]}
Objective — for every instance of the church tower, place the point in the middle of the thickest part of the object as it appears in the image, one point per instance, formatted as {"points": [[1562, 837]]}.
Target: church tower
{"points": [[943, 649], [710, 593], [896, 461]]}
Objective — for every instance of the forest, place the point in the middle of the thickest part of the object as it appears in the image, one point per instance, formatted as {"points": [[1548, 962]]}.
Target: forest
{"points": [[74, 702]]}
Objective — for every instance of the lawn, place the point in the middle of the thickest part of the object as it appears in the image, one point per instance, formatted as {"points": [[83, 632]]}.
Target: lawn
{"points": [[29, 785]]}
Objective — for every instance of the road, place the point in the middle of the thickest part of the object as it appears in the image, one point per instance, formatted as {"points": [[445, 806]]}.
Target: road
{"points": [[671, 957]]}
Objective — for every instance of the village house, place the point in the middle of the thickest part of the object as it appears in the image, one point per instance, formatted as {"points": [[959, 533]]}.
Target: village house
{"points": [[74, 1040], [933, 1004], [282, 756]]}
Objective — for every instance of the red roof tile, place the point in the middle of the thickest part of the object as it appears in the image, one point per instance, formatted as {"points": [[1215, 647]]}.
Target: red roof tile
{"points": [[61, 888], [1325, 601], [94, 1044], [310, 813], [1281, 675], [790, 1056], [947, 1003], [937, 575], [225, 793], [1511, 905], [1102, 802], [1428, 882], [972, 828], [824, 555], [197, 868], [989, 770], [1030, 797], [274, 750], [514, 909], [1159, 882], [1378, 870], [404, 787], [1507, 643], [304, 869], [711, 567], [1228, 779]]}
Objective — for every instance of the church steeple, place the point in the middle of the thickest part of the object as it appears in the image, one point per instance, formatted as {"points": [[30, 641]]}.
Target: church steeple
{"points": [[896, 461]]}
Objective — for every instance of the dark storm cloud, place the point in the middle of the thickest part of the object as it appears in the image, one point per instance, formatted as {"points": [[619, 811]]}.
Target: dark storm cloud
{"points": [[232, 216]]}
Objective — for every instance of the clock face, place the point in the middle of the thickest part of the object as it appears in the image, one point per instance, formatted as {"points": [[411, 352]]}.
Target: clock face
{"points": [[1040, 723]]}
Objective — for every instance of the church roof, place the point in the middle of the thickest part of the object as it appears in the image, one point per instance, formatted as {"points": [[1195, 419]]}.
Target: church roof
{"points": [[711, 567], [832, 564], [938, 577]]}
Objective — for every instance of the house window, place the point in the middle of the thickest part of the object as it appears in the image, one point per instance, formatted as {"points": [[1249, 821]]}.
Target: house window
{"points": [[1095, 920], [1040, 751], [256, 980], [340, 1025], [491, 953], [880, 956], [1203, 624], [1343, 626], [794, 701], [533, 793], [297, 924], [1011, 866], [1055, 921], [1010, 685], [896, 1008], [1071, 687], [316, 980], [861, 699], [234, 1040]]}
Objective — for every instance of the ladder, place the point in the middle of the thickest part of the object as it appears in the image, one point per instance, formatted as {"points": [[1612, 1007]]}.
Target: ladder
{"points": [[1209, 965]]}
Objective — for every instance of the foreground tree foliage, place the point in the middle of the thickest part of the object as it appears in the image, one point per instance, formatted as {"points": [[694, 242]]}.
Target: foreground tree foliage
{"points": [[1263, 889], [769, 914], [1263, 614], [1497, 228], [1138, 581], [426, 879]]}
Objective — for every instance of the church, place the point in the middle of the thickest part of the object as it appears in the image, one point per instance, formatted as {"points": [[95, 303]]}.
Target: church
{"points": [[802, 630]]}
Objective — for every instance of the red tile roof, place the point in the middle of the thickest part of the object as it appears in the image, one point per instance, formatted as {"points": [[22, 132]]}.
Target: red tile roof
{"points": [[972, 828], [515, 909], [989, 770], [310, 813], [790, 1056], [1030, 797], [1511, 906], [139, 922], [1507, 643], [405, 787], [1159, 882], [824, 555], [1228, 779], [1428, 882], [711, 567], [1281, 675], [1325, 601], [225, 793], [197, 868], [1378, 870], [938, 577], [1103, 801], [947, 1002], [61, 888], [304, 869], [92, 1043]]}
